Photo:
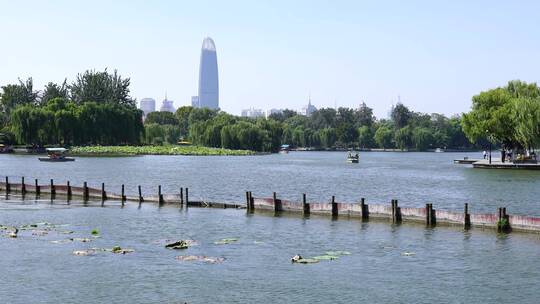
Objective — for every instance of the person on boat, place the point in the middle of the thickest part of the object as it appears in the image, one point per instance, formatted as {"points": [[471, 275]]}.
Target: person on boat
{"points": [[485, 154]]}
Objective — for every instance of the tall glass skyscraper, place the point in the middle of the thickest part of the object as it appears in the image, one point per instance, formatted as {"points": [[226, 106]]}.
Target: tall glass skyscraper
{"points": [[208, 76]]}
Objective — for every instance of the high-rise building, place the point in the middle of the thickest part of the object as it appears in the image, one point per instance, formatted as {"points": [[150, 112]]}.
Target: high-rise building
{"points": [[148, 105], [252, 113], [273, 111], [195, 101], [309, 109], [208, 76], [167, 106]]}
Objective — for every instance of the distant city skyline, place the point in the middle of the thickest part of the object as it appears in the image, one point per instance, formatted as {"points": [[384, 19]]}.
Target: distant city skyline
{"points": [[272, 54]]}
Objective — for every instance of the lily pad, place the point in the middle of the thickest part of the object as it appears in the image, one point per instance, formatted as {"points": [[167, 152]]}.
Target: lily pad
{"points": [[200, 258], [178, 245], [337, 253], [62, 241], [119, 250], [84, 252], [326, 257], [94, 232], [226, 241], [307, 261], [40, 232]]}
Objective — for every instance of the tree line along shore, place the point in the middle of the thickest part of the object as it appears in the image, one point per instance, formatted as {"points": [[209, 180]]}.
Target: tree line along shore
{"points": [[96, 114]]}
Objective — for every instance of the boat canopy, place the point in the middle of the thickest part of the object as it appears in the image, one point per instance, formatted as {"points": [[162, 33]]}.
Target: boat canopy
{"points": [[284, 146], [56, 150]]}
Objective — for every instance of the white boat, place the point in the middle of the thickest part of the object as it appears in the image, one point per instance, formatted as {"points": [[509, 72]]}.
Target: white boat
{"points": [[439, 150], [353, 158], [56, 155], [284, 149]]}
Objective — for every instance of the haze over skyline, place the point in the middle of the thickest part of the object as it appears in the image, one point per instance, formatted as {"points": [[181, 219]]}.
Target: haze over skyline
{"points": [[273, 54]]}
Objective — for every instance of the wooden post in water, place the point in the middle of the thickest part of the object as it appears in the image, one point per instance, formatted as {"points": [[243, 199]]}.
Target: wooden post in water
{"points": [[160, 197], [248, 202], [278, 207], [251, 202], [141, 199], [467, 217], [187, 196], [432, 214], [428, 215], [182, 196], [53, 191], [334, 206], [103, 193], [392, 202], [397, 212], [68, 191], [499, 220], [23, 186], [307, 208], [36, 185], [85, 191], [123, 198], [8, 188], [365, 209]]}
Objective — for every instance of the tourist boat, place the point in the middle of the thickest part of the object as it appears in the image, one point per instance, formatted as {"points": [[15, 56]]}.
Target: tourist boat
{"points": [[284, 149], [439, 150], [5, 149], [353, 158], [56, 155]]}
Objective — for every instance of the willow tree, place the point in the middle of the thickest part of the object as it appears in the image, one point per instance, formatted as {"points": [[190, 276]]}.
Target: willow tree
{"points": [[527, 114], [509, 115], [491, 118]]}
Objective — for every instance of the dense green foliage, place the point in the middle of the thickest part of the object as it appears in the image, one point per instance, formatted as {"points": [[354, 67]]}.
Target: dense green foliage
{"points": [[508, 115], [326, 128], [95, 109]]}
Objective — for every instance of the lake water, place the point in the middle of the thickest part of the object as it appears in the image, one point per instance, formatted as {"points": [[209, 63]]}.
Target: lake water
{"points": [[406, 263], [413, 178]]}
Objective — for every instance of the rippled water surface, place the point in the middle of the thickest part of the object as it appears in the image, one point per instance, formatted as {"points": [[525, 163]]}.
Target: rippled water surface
{"points": [[448, 265], [388, 264], [413, 178]]}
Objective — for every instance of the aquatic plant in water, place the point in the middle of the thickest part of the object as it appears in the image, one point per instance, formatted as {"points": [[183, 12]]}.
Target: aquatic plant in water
{"points": [[155, 150], [226, 241]]}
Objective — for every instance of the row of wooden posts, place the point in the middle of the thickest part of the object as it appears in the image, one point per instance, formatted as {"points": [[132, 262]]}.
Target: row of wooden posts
{"points": [[396, 217], [86, 194]]}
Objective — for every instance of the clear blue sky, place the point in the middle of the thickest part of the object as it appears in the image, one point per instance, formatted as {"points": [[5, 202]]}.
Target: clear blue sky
{"points": [[434, 55]]}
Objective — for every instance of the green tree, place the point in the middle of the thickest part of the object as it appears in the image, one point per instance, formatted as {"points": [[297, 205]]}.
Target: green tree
{"points": [[161, 118], [364, 116], [182, 115], [383, 137], [422, 138], [101, 87], [365, 137], [13, 95], [491, 117], [402, 138], [400, 115], [53, 90]]}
